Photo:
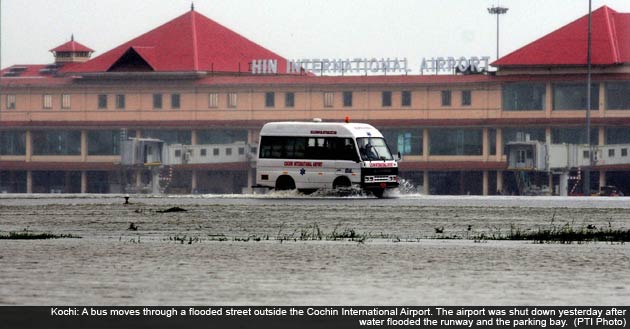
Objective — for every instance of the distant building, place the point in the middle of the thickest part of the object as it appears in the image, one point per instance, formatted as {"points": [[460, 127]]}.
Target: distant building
{"points": [[193, 82]]}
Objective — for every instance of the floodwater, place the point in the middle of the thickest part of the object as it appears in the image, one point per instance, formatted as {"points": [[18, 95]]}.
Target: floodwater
{"points": [[287, 249]]}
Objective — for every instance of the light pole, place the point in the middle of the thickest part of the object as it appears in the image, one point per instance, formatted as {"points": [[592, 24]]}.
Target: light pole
{"points": [[587, 170], [498, 10]]}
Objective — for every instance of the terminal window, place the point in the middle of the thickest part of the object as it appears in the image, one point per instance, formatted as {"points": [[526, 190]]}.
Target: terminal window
{"points": [[120, 101], [65, 101], [175, 101], [289, 99], [157, 101], [10, 102], [328, 99], [270, 99], [466, 98], [102, 101], [231, 99], [347, 99], [213, 100], [446, 98], [386, 98], [405, 98], [47, 101]]}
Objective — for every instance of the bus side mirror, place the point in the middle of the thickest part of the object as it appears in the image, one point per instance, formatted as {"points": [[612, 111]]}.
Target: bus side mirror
{"points": [[399, 157]]}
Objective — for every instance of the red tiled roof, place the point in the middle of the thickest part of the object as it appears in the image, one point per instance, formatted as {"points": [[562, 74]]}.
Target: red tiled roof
{"points": [[568, 45], [71, 46], [190, 42]]}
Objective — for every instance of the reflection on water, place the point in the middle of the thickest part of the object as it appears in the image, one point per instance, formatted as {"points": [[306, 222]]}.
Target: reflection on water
{"points": [[210, 253]]}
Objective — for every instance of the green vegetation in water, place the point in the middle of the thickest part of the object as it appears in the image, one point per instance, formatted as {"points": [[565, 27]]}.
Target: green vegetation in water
{"points": [[28, 235]]}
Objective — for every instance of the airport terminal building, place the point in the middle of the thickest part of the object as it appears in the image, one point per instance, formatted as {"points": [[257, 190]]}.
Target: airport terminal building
{"points": [[193, 82]]}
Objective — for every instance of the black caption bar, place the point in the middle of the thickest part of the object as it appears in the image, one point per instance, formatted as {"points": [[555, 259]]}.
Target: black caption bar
{"points": [[314, 317]]}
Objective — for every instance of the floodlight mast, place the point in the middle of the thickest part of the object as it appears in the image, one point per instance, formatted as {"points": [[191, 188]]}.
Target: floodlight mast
{"points": [[497, 10]]}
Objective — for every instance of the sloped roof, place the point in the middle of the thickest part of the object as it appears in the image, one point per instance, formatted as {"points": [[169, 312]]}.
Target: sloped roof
{"points": [[190, 42], [610, 43], [71, 46]]}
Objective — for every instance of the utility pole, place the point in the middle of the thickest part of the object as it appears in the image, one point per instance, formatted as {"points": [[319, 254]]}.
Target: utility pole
{"points": [[498, 10]]}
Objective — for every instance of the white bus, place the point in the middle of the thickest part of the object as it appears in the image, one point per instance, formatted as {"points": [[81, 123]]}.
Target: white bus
{"points": [[324, 155]]}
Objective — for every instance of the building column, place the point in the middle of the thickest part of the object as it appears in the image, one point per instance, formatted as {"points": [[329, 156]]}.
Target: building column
{"points": [[83, 181], [485, 183], [193, 137], [193, 182], [138, 173], [29, 181], [499, 144], [155, 180], [485, 145], [67, 183], [548, 100], [602, 99], [425, 144], [601, 135], [548, 135], [29, 146], [251, 179], [500, 181], [563, 184], [550, 182], [425, 182], [602, 180], [84, 146]]}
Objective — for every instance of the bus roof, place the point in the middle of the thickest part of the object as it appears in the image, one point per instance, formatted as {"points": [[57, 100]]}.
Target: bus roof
{"points": [[324, 129]]}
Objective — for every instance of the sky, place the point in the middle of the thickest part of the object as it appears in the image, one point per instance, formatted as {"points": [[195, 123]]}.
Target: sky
{"points": [[296, 29]]}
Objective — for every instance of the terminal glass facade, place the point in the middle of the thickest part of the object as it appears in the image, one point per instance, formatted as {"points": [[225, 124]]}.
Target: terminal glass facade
{"points": [[405, 141], [221, 136], [618, 95], [573, 96], [103, 142], [12, 142], [620, 135], [524, 96], [573, 136], [169, 136], [455, 141], [54, 142]]}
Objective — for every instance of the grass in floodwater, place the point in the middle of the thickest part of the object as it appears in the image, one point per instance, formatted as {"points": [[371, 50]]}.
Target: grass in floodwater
{"points": [[183, 239], [564, 234], [569, 234], [28, 235]]}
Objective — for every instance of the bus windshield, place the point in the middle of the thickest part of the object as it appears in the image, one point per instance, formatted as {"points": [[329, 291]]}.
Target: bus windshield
{"points": [[373, 148]]}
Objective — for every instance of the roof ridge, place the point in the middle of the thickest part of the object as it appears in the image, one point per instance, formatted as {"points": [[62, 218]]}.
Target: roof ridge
{"points": [[193, 26], [612, 30]]}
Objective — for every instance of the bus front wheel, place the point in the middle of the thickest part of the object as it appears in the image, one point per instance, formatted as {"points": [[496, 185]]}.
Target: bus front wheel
{"points": [[341, 182], [378, 192], [285, 183]]}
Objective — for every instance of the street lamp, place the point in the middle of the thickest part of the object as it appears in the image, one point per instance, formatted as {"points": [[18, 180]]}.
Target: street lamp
{"points": [[498, 10]]}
